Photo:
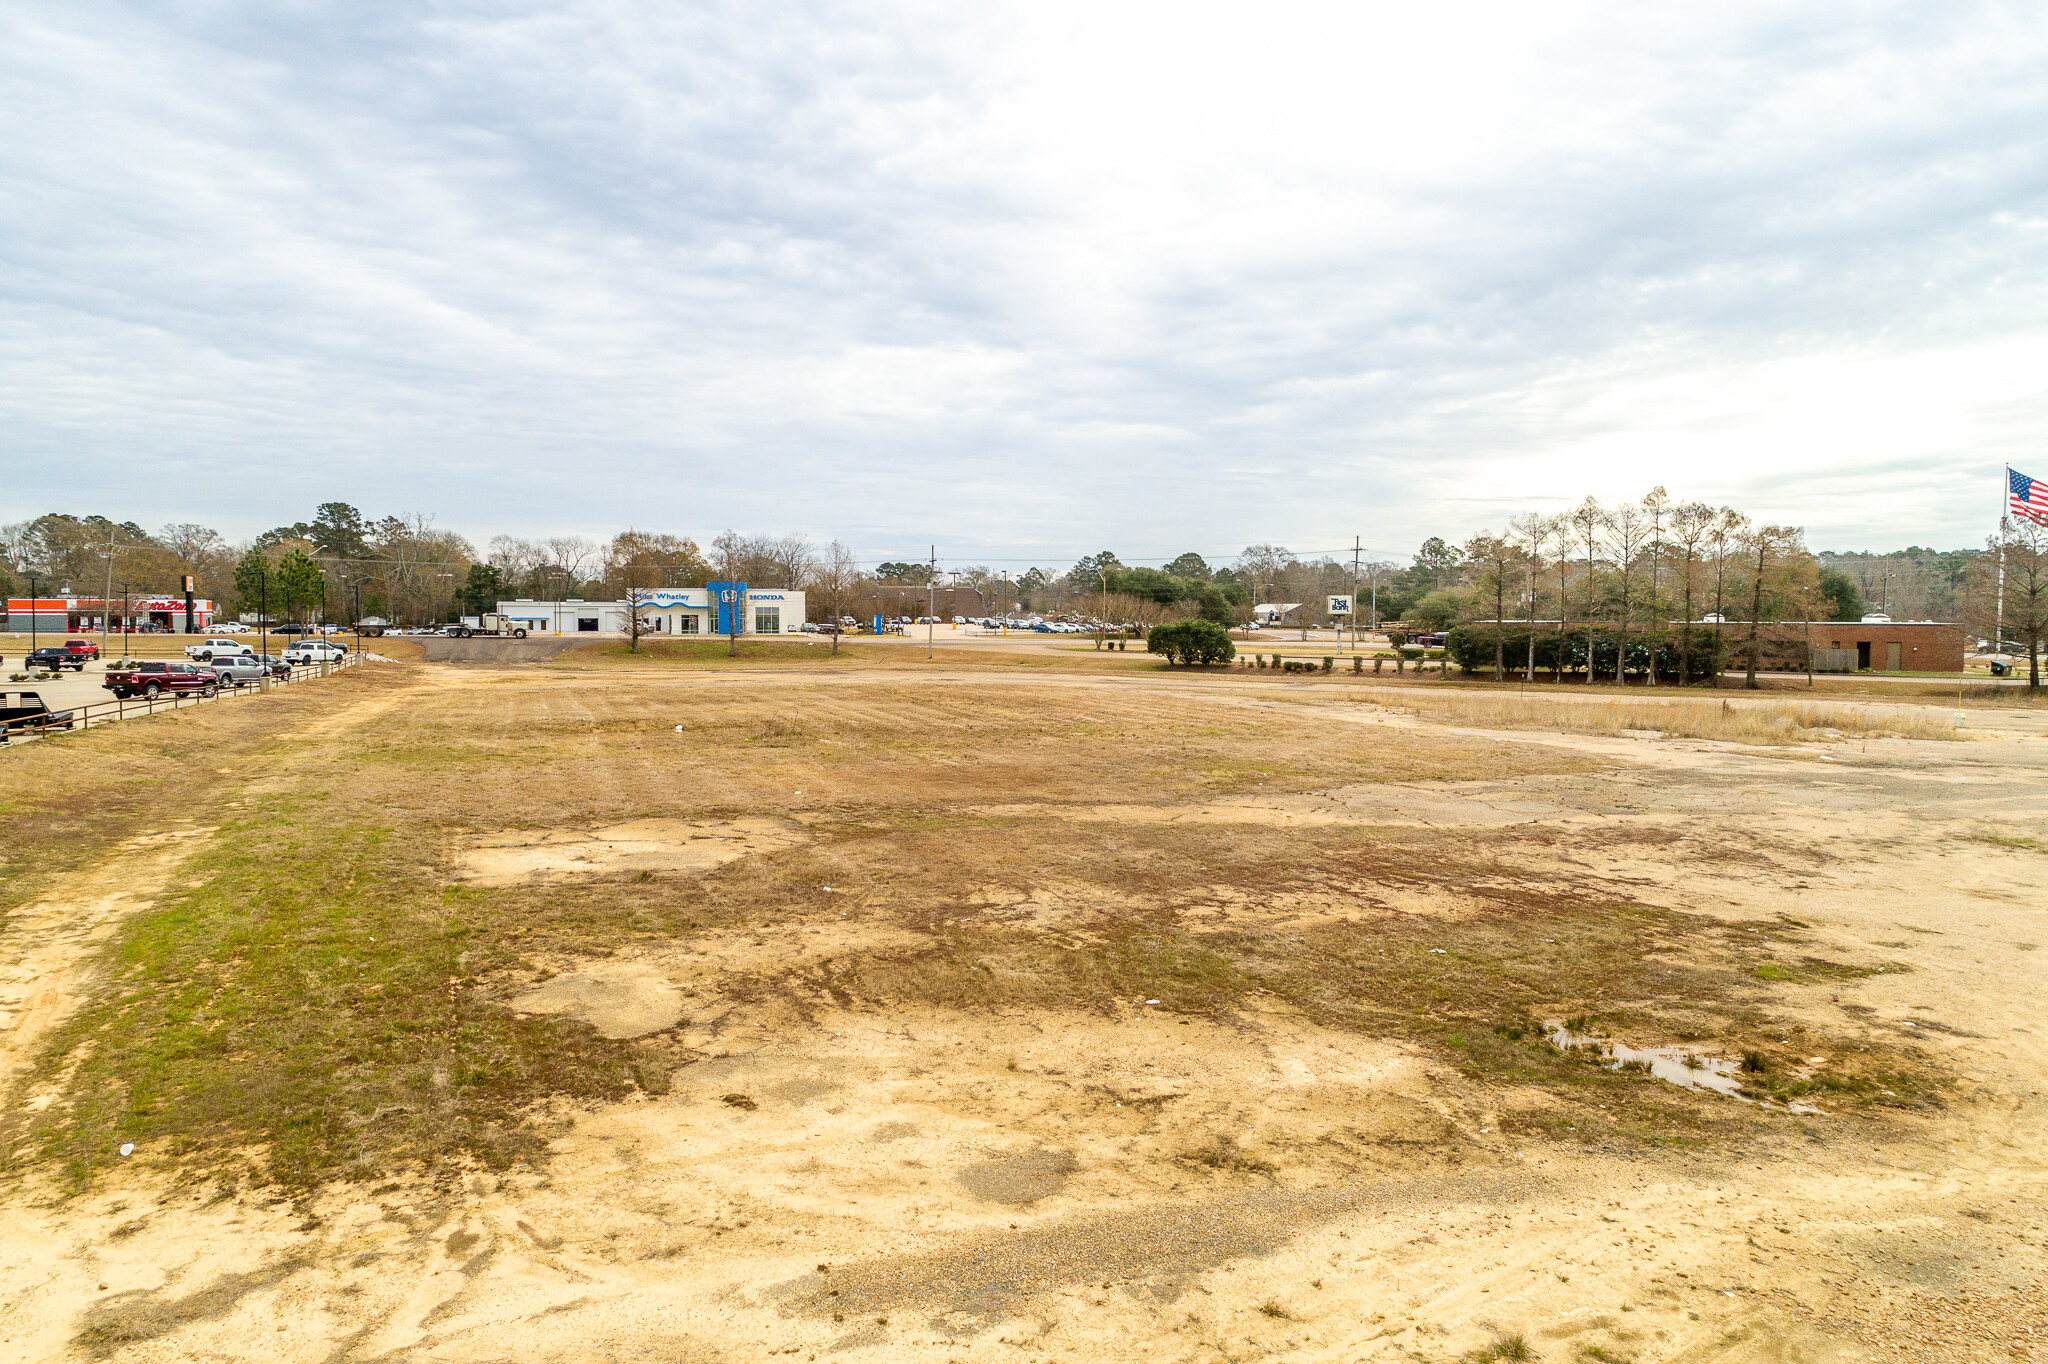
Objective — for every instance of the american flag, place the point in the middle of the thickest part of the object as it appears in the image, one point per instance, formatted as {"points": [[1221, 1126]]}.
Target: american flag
{"points": [[2028, 497]]}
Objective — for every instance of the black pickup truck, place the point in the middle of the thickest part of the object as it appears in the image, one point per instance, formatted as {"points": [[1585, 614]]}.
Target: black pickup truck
{"points": [[55, 660], [23, 712]]}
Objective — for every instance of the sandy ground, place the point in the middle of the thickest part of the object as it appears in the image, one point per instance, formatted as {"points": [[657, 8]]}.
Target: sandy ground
{"points": [[928, 1184]]}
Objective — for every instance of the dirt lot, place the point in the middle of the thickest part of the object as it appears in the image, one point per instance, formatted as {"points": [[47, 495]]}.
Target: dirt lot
{"points": [[1020, 1008]]}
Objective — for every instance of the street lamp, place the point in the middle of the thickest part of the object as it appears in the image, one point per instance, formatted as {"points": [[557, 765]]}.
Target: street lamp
{"points": [[1102, 619], [32, 618]]}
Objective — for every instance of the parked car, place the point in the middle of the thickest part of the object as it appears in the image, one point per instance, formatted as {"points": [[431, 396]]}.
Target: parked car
{"points": [[241, 670], [304, 651], [81, 648], [291, 628], [206, 649], [24, 712], [153, 677], [55, 658]]}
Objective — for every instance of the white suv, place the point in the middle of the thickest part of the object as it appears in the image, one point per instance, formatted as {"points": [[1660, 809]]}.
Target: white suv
{"points": [[313, 651]]}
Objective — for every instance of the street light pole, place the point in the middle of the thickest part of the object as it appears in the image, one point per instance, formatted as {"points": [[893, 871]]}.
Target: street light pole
{"points": [[33, 618], [1102, 620], [931, 607]]}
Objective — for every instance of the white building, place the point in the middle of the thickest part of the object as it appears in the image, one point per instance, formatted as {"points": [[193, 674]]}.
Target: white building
{"points": [[708, 610]]}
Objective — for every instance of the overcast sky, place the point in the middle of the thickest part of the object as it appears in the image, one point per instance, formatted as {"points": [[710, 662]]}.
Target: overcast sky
{"points": [[1023, 279]]}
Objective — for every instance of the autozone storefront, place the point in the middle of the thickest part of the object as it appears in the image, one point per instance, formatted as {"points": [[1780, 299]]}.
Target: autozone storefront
{"points": [[162, 614]]}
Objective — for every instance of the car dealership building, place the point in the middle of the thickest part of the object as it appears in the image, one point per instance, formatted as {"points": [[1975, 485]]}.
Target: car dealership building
{"points": [[714, 609]]}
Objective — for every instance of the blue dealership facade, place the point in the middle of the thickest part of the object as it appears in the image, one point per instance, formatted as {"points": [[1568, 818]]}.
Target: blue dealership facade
{"points": [[715, 609]]}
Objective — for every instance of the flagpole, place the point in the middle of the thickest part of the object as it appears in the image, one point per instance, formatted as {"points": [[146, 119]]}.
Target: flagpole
{"points": [[2004, 525]]}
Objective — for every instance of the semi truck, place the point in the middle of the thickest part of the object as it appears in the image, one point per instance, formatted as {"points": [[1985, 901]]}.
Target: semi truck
{"points": [[487, 625]]}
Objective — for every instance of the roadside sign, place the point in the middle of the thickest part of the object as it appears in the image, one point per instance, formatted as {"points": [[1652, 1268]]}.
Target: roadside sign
{"points": [[1340, 606]]}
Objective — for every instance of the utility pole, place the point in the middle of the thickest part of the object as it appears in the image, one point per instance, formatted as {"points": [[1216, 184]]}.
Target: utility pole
{"points": [[1356, 550], [114, 547], [931, 605], [33, 618]]}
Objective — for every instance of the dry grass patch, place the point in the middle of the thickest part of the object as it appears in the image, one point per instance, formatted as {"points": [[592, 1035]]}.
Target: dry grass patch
{"points": [[1720, 718]]}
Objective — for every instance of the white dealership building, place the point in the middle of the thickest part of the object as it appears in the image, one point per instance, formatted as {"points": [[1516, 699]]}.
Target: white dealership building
{"points": [[709, 610]]}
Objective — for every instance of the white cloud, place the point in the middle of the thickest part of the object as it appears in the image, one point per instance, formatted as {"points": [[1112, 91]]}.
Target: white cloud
{"points": [[1042, 276]]}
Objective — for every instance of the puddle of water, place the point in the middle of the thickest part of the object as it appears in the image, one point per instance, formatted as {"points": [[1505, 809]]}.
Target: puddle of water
{"points": [[1681, 1066]]}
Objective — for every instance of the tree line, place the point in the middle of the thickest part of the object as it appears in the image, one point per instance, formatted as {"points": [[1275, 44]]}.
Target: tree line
{"points": [[1624, 588], [1627, 573]]}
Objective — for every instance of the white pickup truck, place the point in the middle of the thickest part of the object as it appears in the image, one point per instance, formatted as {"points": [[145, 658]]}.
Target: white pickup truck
{"points": [[206, 649]]}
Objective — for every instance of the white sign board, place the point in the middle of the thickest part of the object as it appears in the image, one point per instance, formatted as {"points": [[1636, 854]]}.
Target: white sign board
{"points": [[1340, 606]]}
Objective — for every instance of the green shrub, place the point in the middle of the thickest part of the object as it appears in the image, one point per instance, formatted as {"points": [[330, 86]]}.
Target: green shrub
{"points": [[1192, 641]]}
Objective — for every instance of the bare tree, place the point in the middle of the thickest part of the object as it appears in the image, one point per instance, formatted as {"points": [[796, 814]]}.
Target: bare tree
{"points": [[1730, 526], [637, 597], [834, 581], [1628, 533], [1587, 520], [1769, 555], [1656, 506], [1531, 535], [1263, 565], [191, 543], [577, 556], [1494, 560], [794, 558], [1693, 527]]}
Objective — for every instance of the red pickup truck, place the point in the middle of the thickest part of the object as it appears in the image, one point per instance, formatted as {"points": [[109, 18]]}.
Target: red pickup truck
{"points": [[81, 648], [153, 678]]}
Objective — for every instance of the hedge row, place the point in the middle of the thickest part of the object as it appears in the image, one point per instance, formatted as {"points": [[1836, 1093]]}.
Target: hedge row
{"points": [[1705, 650]]}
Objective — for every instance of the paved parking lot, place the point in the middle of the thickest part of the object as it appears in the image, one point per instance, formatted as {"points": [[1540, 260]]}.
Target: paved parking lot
{"points": [[70, 690]]}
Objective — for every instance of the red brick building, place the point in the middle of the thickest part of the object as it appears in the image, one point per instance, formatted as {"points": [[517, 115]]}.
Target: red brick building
{"points": [[1889, 646]]}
